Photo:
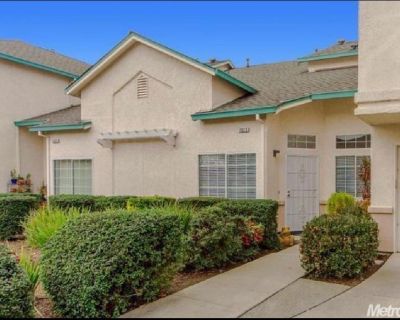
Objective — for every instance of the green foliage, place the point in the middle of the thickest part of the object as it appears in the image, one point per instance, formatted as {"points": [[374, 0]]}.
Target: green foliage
{"points": [[149, 202], [213, 240], [13, 211], [340, 202], [261, 211], [199, 202], [44, 222], [101, 264], [339, 246], [31, 268], [16, 299], [38, 196], [89, 202]]}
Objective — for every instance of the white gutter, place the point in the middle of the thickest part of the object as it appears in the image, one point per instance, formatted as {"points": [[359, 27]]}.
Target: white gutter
{"points": [[18, 151], [40, 134], [262, 122]]}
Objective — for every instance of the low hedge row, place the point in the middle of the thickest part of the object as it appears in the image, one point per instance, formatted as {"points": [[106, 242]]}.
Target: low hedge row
{"points": [[16, 298], [100, 264], [199, 202], [147, 202], [38, 196], [13, 211], [89, 202]]}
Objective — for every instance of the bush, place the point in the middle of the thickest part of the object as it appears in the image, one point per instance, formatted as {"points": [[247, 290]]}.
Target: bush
{"points": [[15, 289], [339, 245], [44, 222], [261, 211], [340, 202], [213, 240], [199, 202], [101, 264], [89, 202], [38, 196], [13, 211], [149, 202]]}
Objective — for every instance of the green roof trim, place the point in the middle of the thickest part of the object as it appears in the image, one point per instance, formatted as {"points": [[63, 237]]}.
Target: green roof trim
{"points": [[341, 54], [27, 123], [62, 127], [272, 109], [218, 73], [234, 113], [226, 76], [37, 65]]}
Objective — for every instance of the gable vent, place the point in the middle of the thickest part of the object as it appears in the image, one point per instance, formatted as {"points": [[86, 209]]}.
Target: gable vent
{"points": [[142, 87]]}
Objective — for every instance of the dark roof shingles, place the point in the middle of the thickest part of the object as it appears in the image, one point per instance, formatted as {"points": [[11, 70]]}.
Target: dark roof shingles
{"points": [[69, 115]]}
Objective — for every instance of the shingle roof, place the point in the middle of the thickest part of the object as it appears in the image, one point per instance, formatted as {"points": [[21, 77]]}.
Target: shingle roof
{"points": [[49, 58], [69, 115], [340, 46], [279, 82]]}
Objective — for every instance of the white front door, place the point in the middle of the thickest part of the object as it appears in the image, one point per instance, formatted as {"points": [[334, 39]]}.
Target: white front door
{"points": [[302, 191]]}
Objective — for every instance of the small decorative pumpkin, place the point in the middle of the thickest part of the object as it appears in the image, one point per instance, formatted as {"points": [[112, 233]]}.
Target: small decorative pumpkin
{"points": [[286, 238]]}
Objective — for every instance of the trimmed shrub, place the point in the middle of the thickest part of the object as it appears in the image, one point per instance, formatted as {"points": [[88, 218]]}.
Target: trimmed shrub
{"points": [[149, 202], [13, 211], [214, 240], [89, 202], [16, 298], [340, 202], [101, 264], [260, 211], [44, 222], [38, 196], [199, 202], [339, 245]]}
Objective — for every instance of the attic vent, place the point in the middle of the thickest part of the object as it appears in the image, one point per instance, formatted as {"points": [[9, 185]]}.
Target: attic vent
{"points": [[142, 87]]}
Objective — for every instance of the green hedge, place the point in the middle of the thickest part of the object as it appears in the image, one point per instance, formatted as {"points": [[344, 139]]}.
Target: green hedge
{"points": [[262, 211], [89, 202], [339, 245], [102, 264], [13, 211], [199, 202], [38, 196], [149, 202], [16, 298]]}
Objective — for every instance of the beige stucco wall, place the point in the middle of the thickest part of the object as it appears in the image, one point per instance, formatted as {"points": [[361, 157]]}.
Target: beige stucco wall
{"points": [[25, 92], [378, 102], [176, 90], [335, 63]]}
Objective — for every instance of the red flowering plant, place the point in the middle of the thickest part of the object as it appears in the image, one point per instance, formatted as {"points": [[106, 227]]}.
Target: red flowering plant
{"points": [[252, 234]]}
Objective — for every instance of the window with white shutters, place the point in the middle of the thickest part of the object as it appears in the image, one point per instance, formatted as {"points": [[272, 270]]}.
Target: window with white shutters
{"points": [[232, 175], [347, 175], [73, 176], [142, 87]]}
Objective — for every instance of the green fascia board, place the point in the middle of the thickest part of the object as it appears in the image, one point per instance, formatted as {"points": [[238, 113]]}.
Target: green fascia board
{"points": [[37, 65], [273, 108], [27, 123], [62, 127], [215, 71], [341, 54], [227, 77], [234, 113]]}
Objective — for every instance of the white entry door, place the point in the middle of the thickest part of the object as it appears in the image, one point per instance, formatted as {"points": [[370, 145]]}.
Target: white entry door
{"points": [[302, 191]]}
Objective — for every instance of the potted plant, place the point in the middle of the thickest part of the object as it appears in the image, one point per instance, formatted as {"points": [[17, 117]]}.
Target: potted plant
{"points": [[14, 178], [28, 183]]}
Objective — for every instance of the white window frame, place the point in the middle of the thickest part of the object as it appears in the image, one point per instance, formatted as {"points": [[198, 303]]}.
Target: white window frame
{"points": [[307, 143], [72, 160], [226, 187]]}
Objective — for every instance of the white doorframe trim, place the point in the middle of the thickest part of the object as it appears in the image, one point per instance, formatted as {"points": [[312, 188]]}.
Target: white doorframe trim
{"points": [[317, 178], [396, 218]]}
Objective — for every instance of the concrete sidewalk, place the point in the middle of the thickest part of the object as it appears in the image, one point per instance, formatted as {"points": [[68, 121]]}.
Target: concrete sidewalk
{"points": [[382, 288], [230, 294]]}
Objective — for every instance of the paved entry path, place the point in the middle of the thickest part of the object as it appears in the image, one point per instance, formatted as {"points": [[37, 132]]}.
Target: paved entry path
{"points": [[229, 294]]}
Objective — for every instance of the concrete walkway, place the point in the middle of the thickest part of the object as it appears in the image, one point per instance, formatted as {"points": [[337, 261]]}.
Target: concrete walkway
{"points": [[382, 288], [230, 294]]}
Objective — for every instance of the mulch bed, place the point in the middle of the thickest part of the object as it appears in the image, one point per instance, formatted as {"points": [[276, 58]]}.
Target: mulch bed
{"points": [[380, 261]]}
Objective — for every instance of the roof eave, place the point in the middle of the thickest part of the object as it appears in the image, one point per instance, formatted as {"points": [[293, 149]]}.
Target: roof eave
{"points": [[84, 125], [212, 115], [341, 54], [37, 66]]}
